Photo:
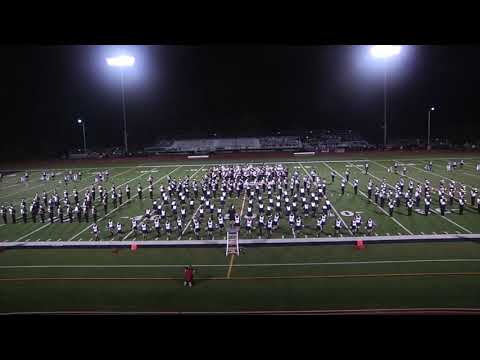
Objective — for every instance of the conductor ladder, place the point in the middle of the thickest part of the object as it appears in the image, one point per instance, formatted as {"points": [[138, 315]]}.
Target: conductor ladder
{"points": [[232, 243]]}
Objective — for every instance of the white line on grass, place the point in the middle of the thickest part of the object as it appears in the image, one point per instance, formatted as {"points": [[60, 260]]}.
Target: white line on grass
{"points": [[133, 197], [432, 210], [440, 176], [333, 208], [47, 224], [187, 225], [382, 209], [239, 265]]}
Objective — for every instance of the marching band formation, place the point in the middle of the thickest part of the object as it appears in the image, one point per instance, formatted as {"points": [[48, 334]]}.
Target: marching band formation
{"points": [[267, 193]]}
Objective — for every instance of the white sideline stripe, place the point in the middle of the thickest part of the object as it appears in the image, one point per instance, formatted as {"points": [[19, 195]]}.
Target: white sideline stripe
{"points": [[133, 197], [364, 195], [432, 210], [187, 225], [247, 242], [331, 203], [238, 265]]}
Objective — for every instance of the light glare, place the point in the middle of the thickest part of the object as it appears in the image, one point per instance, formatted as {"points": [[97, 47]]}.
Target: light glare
{"points": [[121, 61], [385, 51], [79, 121]]}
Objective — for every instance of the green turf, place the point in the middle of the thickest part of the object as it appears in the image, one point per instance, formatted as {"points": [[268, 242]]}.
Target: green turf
{"points": [[244, 290], [210, 294]]}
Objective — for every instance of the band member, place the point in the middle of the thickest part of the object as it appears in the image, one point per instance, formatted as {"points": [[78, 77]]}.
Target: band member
{"points": [[127, 190], [13, 212], [110, 227], [410, 206], [119, 228], [156, 223], [94, 214], [105, 205], [369, 227], [95, 232], [179, 225], [354, 226], [168, 229], [139, 191], [196, 228], [134, 225], [60, 213], [298, 224], [144, 230], [3, 212], [443, 204], [50, 213], [338, 226], [461, 204], [427, 206], [269, 226], [42, 214]]}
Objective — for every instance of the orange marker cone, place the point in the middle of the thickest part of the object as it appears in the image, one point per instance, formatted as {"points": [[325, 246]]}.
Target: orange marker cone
{"points": [[133, 247], [360, 244]]}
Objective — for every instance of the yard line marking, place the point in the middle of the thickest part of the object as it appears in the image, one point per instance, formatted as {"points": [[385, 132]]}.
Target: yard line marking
{"points": [[365, 195], [434, 233], [230, 266], [239, 265], [133, 197], [47, 184], [472, 175], [47, 224], [195, 213], [333, 207], [458, 232], [399, 233], [421, 232], [441, 176], [388, 234], [432, 210]]}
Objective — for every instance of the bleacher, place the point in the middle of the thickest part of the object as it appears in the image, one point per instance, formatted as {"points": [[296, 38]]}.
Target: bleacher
{"points": [[284, 142]]}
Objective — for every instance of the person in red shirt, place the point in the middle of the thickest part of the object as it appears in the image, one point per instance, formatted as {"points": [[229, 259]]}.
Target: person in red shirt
{"points": [[188, 276]]}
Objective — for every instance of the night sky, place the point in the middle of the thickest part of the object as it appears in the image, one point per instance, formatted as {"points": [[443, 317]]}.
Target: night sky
{"points": [[230, 90]]}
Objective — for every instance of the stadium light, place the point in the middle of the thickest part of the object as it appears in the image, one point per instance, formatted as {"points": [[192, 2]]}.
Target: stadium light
{"points": [[385, 52], [428, 138], [122, 62], [81, 122]]}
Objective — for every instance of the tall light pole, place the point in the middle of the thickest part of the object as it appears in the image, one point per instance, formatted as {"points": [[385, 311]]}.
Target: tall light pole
{"points": [[384, 52], [428, 139], [122, 62], [81, 122]]}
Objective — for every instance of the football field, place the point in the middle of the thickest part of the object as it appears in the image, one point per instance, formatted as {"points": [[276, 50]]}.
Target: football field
{"points": [[295, 277]]}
